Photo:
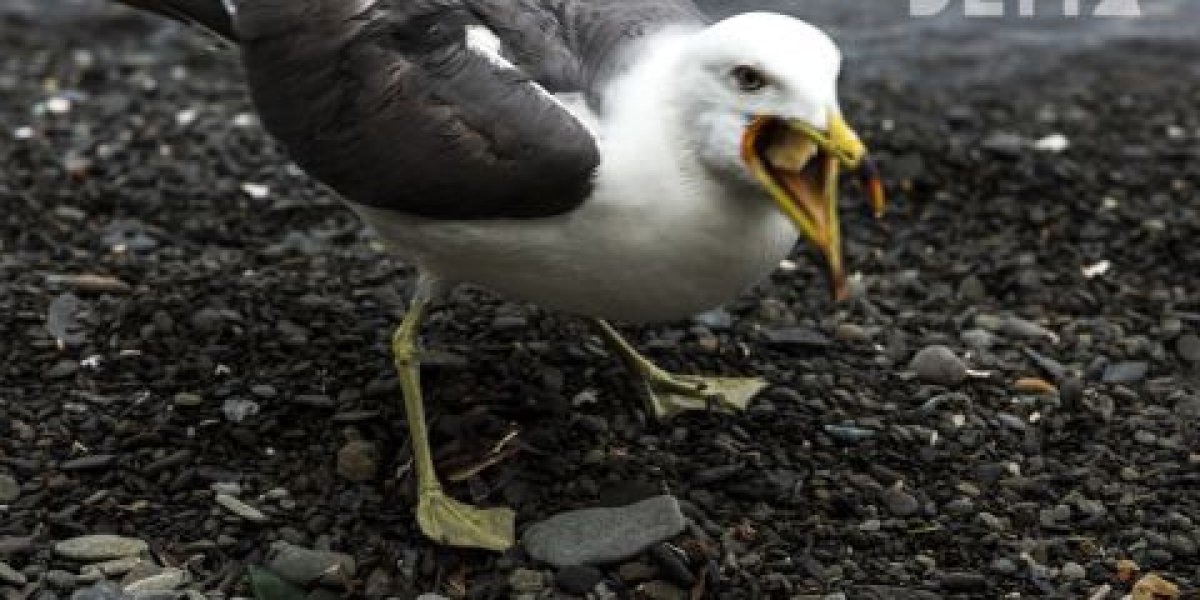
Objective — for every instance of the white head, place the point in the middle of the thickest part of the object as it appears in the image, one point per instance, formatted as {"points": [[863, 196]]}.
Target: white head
{"points": [[757, 94]]}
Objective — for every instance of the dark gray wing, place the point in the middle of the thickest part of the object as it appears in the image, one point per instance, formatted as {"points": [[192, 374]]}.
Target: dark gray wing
{"points": [[384, 101], [578, 45]]}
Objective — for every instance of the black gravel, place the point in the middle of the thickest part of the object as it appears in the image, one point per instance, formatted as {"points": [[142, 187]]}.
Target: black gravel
{"points": [[185, 314]]}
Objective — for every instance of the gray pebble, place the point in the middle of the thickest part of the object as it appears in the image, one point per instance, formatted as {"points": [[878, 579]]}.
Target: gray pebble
{"points": [[1188, 347], [63, 580], [87, 463], [602, 535], [304, 566], [188, 399], [526, 580], [240, 508], [979, 339], [1126, 372], [99, 547], [851, 332], [1073, 571], [1182, 545], [939, 364], [661, 590], [900, 502], [11, 575], [1004, 144], [1003, 566], [578, 579], [10, 490]]}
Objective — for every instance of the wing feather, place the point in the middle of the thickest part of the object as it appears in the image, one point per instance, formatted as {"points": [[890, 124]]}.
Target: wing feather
{"points": [[386, 102]]}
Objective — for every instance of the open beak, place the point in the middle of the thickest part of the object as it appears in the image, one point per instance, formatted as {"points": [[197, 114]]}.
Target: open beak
{"points": [[799, 165]]}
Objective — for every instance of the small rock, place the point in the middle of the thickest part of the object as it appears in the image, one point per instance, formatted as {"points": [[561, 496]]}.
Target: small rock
{"points": [[526, 581], [636, 572], [11, 575], [578, 579], [939, 364], [358, 460], [1188, 346], [111, 568], [240, 508], [672, 563], [102, 546], [188, 399], [1073, 571], [963, 582], [103, 590], [800, 337], [1035, 385], [1126, 372], [237, 409], [87, 463], [10, 490], [601, 535], [303, 566], [851, 332], [900, 502], [63, 580], [169, 578], [1003, 566], [1154, 587], [1005, 144], [979, 339]]}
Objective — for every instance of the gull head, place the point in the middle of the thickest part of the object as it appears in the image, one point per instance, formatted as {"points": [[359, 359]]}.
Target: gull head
{"points": [[757, 94]]}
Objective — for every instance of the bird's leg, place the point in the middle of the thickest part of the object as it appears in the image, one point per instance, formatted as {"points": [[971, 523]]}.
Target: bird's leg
{"points": [[443, 519], [669, 394]]}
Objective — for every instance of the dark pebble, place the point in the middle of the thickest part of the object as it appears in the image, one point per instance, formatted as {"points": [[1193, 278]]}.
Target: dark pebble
{"points": [[962, 582], [1126, 372], [578, 579], [95, 461], [940, 365]]}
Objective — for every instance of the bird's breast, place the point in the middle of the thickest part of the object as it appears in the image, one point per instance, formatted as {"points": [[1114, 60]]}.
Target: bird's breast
{"points": [[616, 259]]}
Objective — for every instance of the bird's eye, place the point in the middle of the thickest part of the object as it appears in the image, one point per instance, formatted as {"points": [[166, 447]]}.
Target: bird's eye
{"points": [[749, 79]]}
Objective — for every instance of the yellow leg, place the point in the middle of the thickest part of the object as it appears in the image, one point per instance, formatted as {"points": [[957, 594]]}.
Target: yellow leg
{"points": [[669, 395], [443, 519]]}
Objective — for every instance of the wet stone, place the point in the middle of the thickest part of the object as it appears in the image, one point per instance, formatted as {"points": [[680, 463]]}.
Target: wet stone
{"points": [[602, 535], [1126, 372], [305, 566], [10, 490]]}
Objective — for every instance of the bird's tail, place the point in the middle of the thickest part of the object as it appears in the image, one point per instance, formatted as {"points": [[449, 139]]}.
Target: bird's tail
{"points": [[213, 15]]}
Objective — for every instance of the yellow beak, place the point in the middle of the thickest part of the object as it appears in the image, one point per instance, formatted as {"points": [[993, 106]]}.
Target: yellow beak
{"points": [[799, 166]]}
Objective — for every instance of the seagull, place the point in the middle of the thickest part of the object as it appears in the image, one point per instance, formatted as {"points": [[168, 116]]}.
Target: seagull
{"points": [[614, 159]]}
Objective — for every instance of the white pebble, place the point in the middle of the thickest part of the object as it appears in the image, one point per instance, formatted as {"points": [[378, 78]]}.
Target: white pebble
{"points": [[1055, 143], [257, 191], [1095, 270]]}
